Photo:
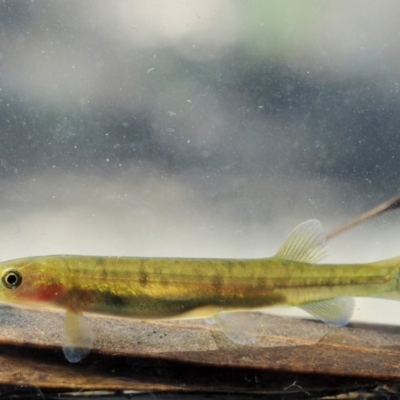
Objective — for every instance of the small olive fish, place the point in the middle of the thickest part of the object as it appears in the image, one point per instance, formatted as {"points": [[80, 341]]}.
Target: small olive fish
{"points": [[176, 288]]}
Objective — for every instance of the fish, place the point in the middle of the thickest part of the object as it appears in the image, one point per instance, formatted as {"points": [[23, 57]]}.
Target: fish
{"points": [[192, 288]]}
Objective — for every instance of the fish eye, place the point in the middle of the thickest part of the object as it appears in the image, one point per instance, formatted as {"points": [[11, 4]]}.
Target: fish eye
{"points": [[11, 279]]}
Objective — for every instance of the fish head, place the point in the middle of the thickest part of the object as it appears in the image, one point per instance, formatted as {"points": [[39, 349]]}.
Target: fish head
{"points": [[29, 281]]}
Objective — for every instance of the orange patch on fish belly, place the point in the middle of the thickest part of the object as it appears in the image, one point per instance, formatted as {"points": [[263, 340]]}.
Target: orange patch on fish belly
{"points": [[49, 293]]}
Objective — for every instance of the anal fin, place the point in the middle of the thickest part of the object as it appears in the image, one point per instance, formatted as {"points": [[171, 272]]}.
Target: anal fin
{"points": [[78, 337], [336, 312]]}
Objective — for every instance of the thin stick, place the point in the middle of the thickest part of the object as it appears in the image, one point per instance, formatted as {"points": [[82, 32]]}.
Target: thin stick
{"points": [[387, 205]]}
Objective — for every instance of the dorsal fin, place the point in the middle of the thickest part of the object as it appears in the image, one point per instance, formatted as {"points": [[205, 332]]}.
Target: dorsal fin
{"points": [[306, 243]]}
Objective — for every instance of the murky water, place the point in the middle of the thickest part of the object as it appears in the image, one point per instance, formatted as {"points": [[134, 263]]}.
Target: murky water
{"points": [[198, 128]]}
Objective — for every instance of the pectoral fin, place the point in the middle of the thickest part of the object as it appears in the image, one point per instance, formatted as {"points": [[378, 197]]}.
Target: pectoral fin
{"points": [[337, 312], [78, 338]]}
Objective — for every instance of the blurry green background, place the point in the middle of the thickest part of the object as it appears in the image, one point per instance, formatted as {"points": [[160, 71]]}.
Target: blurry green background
{"points": [[196, 128]]}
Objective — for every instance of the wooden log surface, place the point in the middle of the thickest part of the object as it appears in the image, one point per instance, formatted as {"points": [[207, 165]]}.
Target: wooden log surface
{"points": [[192, 356]]}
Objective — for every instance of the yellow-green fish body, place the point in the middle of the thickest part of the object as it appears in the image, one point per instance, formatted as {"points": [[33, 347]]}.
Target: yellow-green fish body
{"points": [[171, 288], [158, 288]]}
